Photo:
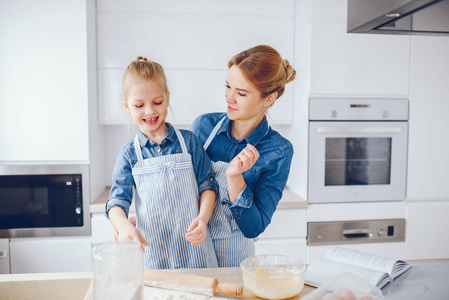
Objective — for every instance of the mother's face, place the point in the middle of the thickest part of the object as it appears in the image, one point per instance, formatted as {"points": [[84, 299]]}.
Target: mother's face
{"points": [[243, 99]]}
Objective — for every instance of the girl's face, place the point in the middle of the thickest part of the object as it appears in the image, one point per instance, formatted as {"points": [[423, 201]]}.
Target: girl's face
{"points": [[243, 99], [147, 103]]}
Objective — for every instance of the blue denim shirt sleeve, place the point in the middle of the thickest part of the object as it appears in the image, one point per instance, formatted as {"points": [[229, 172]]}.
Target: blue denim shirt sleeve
{"points": [[254, 209], [264, 183], [121, 193], [202, 165]]}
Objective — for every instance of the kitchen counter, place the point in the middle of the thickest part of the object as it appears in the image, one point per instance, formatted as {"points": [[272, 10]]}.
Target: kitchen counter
{"points": [[289, 200], [76, 286], [69, 286]]}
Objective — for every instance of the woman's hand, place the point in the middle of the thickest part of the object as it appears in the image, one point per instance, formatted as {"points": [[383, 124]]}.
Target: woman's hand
{"points": [[243, 161], [197, 231]]}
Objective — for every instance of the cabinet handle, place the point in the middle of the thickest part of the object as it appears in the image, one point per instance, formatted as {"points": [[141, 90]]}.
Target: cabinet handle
{"points": [[3, 253], [359, 129]]}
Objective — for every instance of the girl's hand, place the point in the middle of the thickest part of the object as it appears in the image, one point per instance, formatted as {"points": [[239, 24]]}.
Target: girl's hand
{"points": [[197, 231], [129, 231], [243, 161], [132, 219]]}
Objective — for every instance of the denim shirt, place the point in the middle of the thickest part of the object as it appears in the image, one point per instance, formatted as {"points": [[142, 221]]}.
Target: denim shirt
{"points": [[121, 193], [264, 182]]}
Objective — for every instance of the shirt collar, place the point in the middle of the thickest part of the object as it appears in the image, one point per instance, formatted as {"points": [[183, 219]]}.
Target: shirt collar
{"points": [[170, 136], [254, 138]]}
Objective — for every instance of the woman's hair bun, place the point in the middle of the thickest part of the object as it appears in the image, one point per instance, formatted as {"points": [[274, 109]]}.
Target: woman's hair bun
{"points": [[290, 72]]}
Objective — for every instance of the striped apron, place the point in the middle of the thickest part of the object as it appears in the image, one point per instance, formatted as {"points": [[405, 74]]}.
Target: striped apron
{"points": [[167, 201], [231, 246]]}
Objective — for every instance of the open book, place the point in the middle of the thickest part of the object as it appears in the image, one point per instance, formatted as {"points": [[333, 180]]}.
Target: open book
{"points": [[377, 270]]}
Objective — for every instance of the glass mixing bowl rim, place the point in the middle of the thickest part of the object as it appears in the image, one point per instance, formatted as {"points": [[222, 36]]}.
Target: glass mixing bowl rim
{"points": [[302, 266]]}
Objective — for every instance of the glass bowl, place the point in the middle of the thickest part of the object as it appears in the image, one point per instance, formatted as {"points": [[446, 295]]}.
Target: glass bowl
{"points": [[273, 276]]}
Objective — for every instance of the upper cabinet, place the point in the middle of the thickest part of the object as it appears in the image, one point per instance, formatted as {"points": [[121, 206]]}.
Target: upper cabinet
{"points": [[193, 41], [355, 64], [43, 81]]}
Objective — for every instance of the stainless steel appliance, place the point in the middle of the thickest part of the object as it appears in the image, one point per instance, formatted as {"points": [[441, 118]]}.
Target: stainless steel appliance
{"points": [[357, 150], [44, 200], [411, 17], [372, 227], [350, 232]]}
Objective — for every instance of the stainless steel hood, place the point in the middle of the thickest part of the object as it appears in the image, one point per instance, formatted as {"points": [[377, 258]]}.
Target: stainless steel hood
{"points": [[407, 17]]}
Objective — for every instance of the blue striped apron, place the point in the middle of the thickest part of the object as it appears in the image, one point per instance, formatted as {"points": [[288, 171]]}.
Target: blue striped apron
{"points": [[167, 201], [231, 246]]}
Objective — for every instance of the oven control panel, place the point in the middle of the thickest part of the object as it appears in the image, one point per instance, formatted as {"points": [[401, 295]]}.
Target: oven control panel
{"points": [[352, 232]]}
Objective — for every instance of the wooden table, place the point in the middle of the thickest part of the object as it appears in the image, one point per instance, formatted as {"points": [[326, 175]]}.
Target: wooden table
{"points": [[75, 285]]}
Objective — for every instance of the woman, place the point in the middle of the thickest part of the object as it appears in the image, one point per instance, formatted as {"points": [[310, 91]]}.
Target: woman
{"points": [[251, 161]]}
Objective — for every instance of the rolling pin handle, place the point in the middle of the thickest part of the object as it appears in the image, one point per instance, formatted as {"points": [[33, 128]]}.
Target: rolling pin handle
{"points": [[229, 289]]}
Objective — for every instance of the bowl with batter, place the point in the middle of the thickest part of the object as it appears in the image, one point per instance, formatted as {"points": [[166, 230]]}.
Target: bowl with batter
{"points": [[273, 276]]}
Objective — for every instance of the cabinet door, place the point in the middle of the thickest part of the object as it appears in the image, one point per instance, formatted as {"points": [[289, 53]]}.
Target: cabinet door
{"points": [[349, 64], [43, 81], [4, 256], [287, 223], [286, 234], [426, 234], [102, 229], [295, 247], [194, 55], [45, 255]]}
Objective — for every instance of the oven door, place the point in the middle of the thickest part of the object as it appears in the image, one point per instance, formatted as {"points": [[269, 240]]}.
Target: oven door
{"points": [[357, 161]]}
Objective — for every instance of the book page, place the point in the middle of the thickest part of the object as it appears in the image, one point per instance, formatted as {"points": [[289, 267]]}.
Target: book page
{"points": [[361, 259], [321, 271]]}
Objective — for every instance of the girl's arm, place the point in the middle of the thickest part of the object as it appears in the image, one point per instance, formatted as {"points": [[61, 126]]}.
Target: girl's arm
{"points": [[124, 227], [197, 231]]}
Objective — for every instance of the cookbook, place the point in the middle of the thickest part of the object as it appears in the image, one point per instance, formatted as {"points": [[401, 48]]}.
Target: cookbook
{"points": [[377, 270]]}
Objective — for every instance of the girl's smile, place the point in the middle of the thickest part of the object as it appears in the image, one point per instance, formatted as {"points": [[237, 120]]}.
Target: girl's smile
{"points": [[147, 103]]}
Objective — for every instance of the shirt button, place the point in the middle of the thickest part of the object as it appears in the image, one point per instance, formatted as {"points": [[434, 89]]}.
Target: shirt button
{"points": [[158, 149], [211, 179], [163, 142], [235, 144]]}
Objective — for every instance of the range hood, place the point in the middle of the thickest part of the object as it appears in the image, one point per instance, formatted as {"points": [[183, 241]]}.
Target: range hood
{"points": [[409, 17]]}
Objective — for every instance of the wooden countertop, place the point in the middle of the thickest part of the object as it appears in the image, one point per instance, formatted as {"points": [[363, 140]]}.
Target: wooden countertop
{"points": [[289, 200], [76, 285]]}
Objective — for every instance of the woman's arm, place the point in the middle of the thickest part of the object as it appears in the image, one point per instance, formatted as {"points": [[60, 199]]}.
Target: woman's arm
{"points": [[240, 164], [257, 203]]}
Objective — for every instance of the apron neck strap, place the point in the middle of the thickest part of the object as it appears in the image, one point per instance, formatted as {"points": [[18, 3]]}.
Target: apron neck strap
{"points": [[137, 148], [178, 134], [181, 141], [213, 133]]}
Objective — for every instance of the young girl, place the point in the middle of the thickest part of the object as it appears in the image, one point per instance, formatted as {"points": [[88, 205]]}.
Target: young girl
{"points": [[251, 161], [169, 170]]}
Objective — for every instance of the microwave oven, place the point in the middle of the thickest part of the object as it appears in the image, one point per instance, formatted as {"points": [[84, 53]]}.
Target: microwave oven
{"points": [[44, 200]]}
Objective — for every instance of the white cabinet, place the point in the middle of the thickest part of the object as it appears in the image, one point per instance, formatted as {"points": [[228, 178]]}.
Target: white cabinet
{"points": [[193, 41], [44, 255], [355, 64], [102, 229], [43, 82], [427, 228], [286, 234]]}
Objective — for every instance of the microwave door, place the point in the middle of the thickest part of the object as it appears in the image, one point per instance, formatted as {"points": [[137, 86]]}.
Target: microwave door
{"points": [[357, 161]]}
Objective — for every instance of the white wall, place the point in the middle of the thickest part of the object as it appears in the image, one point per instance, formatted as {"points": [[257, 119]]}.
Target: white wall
{"points": [[425, 69]]}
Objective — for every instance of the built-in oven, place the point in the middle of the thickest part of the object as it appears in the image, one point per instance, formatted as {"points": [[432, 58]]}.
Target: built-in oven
{"points": [[357, 150], [44, 200]]}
